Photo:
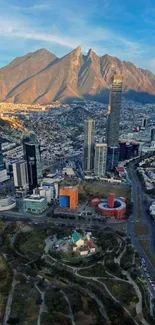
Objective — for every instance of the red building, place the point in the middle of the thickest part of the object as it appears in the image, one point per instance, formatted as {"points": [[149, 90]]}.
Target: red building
{"points": [[112, 207]]}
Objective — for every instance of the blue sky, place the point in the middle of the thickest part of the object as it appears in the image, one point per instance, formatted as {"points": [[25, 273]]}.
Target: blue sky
{"points": [[121, 28]]}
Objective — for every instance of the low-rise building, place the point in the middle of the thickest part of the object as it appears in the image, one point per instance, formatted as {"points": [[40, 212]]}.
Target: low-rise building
{"points": [[83, 251], [35, 204], [7, 203], [77, 239]]}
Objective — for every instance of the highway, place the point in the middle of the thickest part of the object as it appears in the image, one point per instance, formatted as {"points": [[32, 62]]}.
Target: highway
{"points": [[136, 185]]}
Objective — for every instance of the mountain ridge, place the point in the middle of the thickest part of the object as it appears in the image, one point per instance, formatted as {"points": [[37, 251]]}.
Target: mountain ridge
{"points": [[42, 77]]}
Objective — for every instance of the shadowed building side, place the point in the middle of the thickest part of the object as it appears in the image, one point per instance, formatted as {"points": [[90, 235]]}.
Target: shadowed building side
{"points": [[32, 155], [113, 121], [89, 132]]}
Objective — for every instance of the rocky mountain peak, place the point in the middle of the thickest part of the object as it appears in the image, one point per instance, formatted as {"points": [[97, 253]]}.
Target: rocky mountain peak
{"points": [[41, 77]]}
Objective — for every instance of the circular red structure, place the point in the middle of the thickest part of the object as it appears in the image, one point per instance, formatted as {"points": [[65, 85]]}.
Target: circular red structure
{"points": [[95, 202], [118, 211]]}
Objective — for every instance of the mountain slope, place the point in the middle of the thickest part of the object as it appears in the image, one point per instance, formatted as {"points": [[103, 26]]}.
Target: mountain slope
{"points": [[42, 77]]}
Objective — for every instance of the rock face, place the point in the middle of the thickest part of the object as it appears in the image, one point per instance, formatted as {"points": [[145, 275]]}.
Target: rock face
{"points": [[42, 77]]}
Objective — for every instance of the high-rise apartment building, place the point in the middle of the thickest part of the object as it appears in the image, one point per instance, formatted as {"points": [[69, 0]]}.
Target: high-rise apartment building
{"points": [[113, 121], [20, 174], [32, 155], [89, 132], [100, 159]]}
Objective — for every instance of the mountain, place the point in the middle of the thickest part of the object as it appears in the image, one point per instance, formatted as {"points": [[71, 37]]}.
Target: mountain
{"points": [[42, 77]]}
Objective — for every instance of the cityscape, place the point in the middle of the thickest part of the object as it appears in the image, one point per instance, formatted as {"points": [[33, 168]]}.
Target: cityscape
{"points": [[77, 162], [77, 210]]}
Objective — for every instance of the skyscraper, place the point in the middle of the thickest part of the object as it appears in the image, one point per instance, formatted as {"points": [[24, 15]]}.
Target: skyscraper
{"points": [[32, 155], [89, 132], [153, 137], [153, 134], [1, 158], [144, 122], [20, 174], [114, 111], [113, 121], [100, 159]]}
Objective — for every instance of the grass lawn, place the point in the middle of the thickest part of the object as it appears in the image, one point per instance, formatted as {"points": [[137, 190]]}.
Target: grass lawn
{"points": [[141, 229], [145, 244], [122, 227], [139, 211], [102, 189], [5, 283]]}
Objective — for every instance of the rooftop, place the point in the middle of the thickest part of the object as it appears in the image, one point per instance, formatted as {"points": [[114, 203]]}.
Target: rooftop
{"points": [[76, 236], [34, 198]]}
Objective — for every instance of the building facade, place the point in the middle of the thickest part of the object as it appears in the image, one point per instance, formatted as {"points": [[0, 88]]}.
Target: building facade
{"points": [[1, 158], [112, 157], [20, 174], [114, 111], [153, 135], [32, 155], [128, 150], [112, 207], [89, 132], [113, 121], [68, 197], [100, 159], [144, 122], [35, 204]]}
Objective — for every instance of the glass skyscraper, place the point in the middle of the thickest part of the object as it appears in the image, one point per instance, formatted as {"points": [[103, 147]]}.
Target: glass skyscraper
{"points": [[32, 155], [113, 122], [89, 132], [1, 158]]}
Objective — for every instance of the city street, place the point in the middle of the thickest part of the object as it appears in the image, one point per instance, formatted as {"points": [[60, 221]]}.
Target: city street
{"points": [[131, 222]]}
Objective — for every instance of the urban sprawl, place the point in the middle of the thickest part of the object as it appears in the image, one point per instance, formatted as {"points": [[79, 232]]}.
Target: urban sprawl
{"points": [[77, 210]]}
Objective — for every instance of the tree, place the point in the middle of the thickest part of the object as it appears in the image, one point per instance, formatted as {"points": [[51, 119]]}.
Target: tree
{"points": [[13, 321], [38, 301]]}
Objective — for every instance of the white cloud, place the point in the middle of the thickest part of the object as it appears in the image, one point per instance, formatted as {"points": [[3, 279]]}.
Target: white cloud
{"points": [[41, 6], [44, 37], [89, 38], [69, 31]]}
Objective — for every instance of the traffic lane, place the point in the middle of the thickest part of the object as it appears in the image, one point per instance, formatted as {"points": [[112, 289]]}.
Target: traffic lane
{"points": [[131, 234], [140, 250], [144, 211]]}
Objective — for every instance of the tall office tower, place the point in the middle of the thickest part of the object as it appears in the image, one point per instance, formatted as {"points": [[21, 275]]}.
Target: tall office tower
{"points": [[153, 138], [32, 155], [144, 122], [114, 121], [20, 174], [89, 133], [153, 134], [1, 158], [100, 159]]}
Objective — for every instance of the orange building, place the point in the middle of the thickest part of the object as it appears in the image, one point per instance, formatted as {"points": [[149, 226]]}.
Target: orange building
{"points": [[69, 197]]}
